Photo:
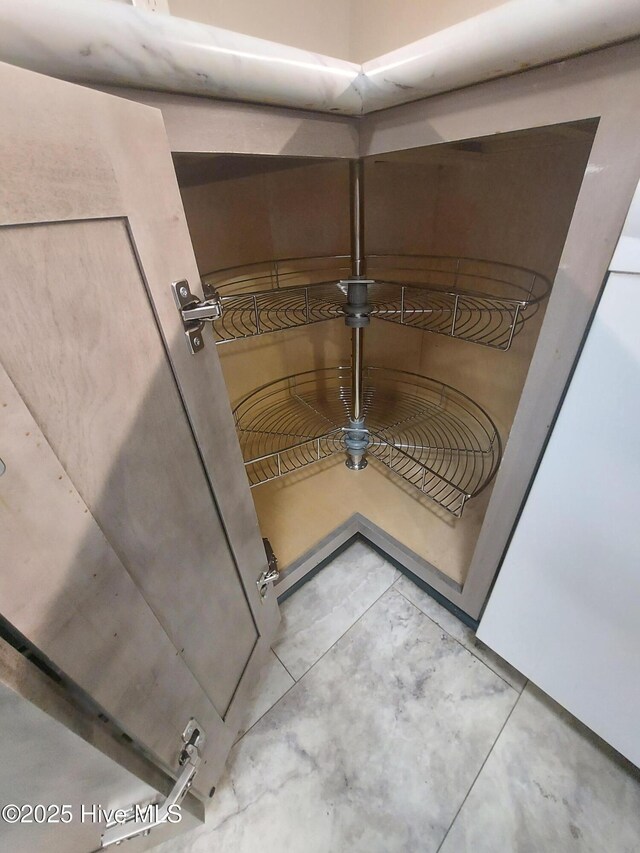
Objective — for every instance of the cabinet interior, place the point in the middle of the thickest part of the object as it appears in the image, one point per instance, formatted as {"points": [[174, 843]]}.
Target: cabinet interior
{"points": [[507, 198]]}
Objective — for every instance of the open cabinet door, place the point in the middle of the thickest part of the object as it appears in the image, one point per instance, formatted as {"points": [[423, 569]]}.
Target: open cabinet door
{"points": [[130, 546]]}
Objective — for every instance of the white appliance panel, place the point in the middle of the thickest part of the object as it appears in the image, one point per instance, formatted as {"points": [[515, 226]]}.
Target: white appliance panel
{"points": [[565, 609]]}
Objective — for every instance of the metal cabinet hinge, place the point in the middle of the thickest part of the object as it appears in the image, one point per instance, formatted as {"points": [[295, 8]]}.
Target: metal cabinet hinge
{"points": [[141, 818], [271, 574], [195, 311]]}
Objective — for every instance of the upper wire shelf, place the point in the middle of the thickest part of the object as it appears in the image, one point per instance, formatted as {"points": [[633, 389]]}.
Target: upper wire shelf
{"points": [[485, 302], [433, 436]]}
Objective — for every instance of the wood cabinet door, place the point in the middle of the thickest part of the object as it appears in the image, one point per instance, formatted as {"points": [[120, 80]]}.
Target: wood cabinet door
{"points": [[97, 373]]}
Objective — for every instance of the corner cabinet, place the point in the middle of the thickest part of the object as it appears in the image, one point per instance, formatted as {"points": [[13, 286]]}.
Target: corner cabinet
{"points": [[130, 547], [132, 559]]}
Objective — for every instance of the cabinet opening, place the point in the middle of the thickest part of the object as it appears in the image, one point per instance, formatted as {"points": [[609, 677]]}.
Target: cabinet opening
{"points": [[462, 241]]}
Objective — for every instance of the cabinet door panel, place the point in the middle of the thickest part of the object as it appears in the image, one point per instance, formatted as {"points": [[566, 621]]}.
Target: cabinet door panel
{"points": [[63, 585], [92, 233], [105, 397]]}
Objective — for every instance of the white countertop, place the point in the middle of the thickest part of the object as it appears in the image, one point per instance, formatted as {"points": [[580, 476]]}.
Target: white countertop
{"points": [[99, 41]]}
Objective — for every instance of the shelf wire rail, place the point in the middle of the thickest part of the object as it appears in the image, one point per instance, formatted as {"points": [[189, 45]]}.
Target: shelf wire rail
{"points": [[433, 436], [484, 302]]}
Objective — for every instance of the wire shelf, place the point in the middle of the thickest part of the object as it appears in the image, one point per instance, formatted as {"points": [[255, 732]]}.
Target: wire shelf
{"points": [[433, 436], [485, 302], [270, 296]]}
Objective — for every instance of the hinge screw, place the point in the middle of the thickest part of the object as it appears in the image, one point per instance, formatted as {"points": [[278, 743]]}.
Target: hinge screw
{"points": [[184, 292]]}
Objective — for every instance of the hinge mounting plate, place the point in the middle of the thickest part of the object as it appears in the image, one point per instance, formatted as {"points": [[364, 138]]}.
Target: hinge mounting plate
{"points": [[141, 818], [271, 574], [195, 311]]}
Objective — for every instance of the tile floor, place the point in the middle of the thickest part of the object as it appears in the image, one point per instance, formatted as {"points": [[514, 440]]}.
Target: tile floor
{"points": [[380, 724]]}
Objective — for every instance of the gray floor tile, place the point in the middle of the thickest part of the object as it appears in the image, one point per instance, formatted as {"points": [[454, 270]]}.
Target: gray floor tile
{"points": [[321, 611], [549, 786], [452, 625], [273, 684], [372, 750]]}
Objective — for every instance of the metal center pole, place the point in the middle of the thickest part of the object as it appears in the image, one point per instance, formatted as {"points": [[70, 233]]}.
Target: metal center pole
{"points": [[357, 317], [357, 336], [356, 175], [358, 264]]}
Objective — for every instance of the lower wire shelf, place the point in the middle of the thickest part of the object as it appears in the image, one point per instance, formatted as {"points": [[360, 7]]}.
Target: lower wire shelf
{"points": [[433, 436]]}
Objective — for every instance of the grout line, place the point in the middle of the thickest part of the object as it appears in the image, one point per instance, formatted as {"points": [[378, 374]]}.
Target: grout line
{"points": [[344, 634], [353, 624], [284, 667], [471, 652], [471, 787], [270, 708], [386, 589]]}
